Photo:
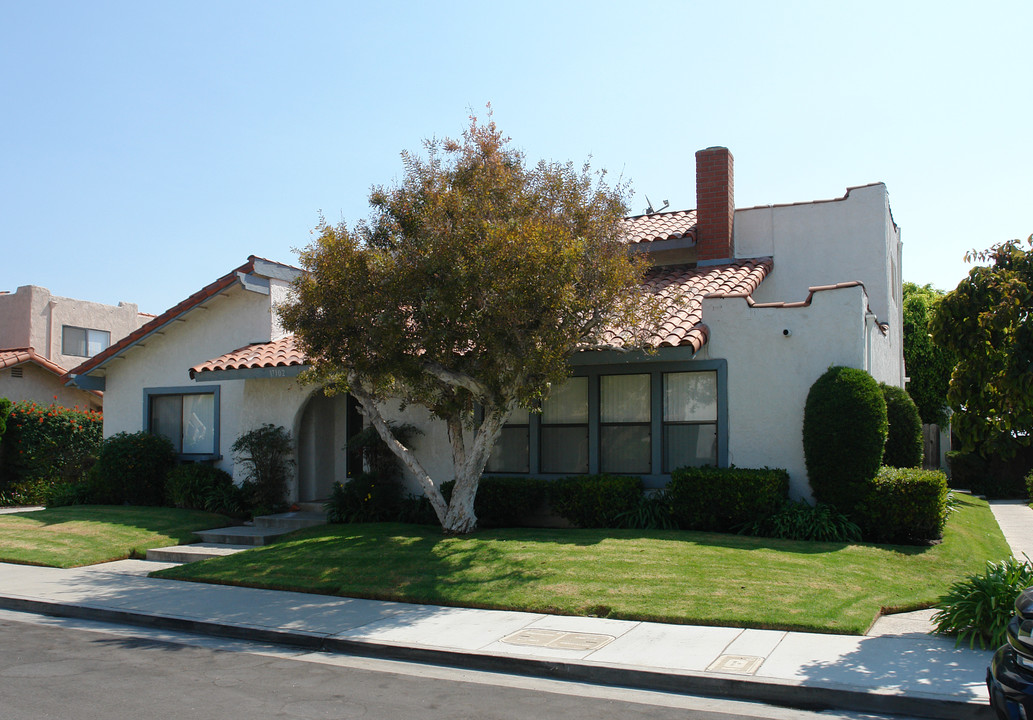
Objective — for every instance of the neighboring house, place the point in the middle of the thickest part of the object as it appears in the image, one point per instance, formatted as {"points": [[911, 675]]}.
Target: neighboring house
{"points": [[761, 301], [25, 375], [42, 335]]}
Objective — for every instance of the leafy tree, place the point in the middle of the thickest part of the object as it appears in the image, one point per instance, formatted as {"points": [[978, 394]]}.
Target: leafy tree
{"points": [[986, 321], [473, 282], [928, 365]]}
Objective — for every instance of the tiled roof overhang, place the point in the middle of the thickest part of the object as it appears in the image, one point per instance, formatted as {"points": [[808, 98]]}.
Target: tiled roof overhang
{"points": [[282, 356], [659, 227], [682, 289]]}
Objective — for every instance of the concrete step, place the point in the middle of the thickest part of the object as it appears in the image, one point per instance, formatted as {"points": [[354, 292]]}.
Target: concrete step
{"points": [[193, 553], [289, 521], [315, 506], [240, 535]]}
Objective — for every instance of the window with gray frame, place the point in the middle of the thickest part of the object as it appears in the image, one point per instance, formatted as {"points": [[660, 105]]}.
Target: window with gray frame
{"points": [[83, 342], [644, 422], [187, 419]]}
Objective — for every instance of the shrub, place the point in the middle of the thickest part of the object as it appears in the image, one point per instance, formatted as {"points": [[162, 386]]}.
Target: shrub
{"points": [[191, 484], [653, 512], [1029, 484], [844, 433], [266, 455], [594, 501], [720, 499], [904, 443], [132, 468], [993, 477], [45, 445], [368, 497], [5, 410], [80, 493], [416, 510], [904, 505], [803, 521], [979, 608], [504, 501], [377, 457], [230, 500]]}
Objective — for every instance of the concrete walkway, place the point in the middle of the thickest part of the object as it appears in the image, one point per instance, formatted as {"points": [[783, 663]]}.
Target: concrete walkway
{"points": [[898, 668]]}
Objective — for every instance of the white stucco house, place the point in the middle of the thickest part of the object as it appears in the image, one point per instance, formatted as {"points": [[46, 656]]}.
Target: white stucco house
{"points": [[761, 301]]}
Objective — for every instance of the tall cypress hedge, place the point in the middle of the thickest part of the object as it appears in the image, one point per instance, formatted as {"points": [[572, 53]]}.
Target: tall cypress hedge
{"points": [[904, 445]]}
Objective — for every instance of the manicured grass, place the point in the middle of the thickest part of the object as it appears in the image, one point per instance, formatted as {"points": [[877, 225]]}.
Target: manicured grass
{"points": [[88, 534], [681, 577]]}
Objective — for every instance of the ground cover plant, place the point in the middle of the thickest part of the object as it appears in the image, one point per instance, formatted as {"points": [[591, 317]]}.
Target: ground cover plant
{"points": [[85, 535], [661, 575]]}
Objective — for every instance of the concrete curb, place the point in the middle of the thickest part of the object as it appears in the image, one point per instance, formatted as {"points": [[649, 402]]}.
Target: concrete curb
{"points": [[774, 692]]}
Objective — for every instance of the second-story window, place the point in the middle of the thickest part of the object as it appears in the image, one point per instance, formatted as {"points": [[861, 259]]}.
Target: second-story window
{"points": [[83, 342]]}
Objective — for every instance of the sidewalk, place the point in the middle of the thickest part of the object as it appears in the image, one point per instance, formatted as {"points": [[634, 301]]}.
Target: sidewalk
{"points": [[897, 669]]}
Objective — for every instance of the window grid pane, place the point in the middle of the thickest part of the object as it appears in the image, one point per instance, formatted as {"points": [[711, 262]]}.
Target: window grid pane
{"points": [[73, 341], [565, 449], [568, 403], [166, 418], [625, 449], [198, 424], [512, 451], [624, 398], [689, 445], [690, 397]]}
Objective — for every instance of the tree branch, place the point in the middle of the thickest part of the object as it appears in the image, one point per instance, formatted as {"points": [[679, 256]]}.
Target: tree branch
{"points": [[456, 379]]}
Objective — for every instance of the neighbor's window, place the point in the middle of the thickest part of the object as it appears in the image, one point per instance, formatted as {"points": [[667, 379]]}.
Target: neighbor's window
{"points": [[83, 342], [624, 424], [187, 420], [564, 428], [512, 450], [690, 419]]}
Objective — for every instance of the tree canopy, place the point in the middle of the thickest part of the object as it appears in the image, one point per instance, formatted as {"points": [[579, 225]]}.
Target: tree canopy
{"points": [[986, 321], [928, 365], [467, 291]]}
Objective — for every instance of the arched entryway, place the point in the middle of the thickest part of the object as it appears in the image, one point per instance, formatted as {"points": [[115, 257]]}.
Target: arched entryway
{"points": [[323, 459]]}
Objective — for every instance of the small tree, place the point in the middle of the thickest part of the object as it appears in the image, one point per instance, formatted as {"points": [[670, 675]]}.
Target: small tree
{"points": [[472, 285], [987, 322], [928, 365], [844, 433], [904, 444]]}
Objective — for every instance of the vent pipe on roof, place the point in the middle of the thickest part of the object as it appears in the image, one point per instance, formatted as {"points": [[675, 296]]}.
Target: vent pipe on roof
{"points": [[715, 206]]}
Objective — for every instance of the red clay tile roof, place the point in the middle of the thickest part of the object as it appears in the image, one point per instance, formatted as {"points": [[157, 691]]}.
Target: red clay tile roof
{"points": [[208, 291], [16, 356], [661, 226], [683, 289], [277, 353]]}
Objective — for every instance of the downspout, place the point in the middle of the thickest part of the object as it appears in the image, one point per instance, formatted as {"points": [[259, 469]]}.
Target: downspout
{"points": [[50, 329], [869, 320]]}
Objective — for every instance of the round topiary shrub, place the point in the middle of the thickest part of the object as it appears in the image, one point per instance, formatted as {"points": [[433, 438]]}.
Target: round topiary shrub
{"points": [[844, 433], [904, 446]]}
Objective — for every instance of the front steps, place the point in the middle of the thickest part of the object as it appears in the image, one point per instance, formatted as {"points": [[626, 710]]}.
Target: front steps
{"points": [[234, 539]]}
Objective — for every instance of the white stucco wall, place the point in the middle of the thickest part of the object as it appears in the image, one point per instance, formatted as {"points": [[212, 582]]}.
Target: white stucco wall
{"points": [[770, 373], [227, 322], [827, 242]]}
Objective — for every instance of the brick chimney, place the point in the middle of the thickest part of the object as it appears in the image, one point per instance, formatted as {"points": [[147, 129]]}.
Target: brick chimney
{"points": [[715, 205]]}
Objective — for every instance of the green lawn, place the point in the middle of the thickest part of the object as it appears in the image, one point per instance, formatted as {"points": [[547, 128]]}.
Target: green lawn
{"points": [[88, 534], [680, 577]]}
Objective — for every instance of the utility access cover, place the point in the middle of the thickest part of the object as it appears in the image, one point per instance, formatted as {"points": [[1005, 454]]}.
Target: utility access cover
{"points": [[535, 637], [736, 664]]}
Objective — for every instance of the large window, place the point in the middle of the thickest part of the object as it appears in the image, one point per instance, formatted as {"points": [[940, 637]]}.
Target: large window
{"points": [[83, 342], [624, 424], [189, 420], [564, 424], [512, 450], [648, 420], [690, 419]]}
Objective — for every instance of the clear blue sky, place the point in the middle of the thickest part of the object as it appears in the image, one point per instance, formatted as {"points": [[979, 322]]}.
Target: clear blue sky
{"points": [[148, 148]]}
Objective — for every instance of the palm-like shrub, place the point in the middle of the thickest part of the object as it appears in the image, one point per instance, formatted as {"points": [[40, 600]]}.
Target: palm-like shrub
{"points": [[978, 608]]}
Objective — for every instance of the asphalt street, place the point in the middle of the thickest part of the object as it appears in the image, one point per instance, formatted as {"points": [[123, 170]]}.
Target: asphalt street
{"points": [[59, 669]]}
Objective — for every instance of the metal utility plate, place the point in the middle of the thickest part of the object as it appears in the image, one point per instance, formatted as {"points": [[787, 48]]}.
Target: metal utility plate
{"points": [[534, 637]]}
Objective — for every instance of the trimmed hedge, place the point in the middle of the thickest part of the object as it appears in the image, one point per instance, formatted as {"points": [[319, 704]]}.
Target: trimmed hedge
{"points": [[504, 501], [367, 497], [844, 434], [904, 444], [904, 505], [723, 499], [192, 485], [595, 501], [132, 469]]}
